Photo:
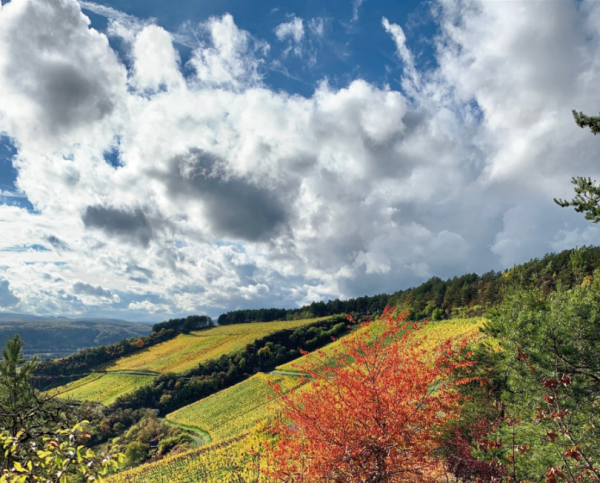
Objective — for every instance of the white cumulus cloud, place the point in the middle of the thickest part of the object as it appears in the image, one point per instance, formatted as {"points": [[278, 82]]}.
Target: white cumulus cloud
{"points": [[228, 193]]}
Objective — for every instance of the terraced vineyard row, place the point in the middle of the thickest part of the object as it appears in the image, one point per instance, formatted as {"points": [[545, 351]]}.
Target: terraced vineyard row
{"points": [[104, 388], [237, 409], [434, 333], [186, 351], [229, 461]]}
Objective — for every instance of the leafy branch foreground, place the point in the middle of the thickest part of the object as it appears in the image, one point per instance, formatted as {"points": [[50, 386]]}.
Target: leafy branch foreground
{"points": [[39, 439]]}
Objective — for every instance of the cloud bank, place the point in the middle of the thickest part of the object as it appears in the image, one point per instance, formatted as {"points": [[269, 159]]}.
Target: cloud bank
{"points": [[230, 194]]}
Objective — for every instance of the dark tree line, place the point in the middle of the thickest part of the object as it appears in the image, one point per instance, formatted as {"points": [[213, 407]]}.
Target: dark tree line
{"points": [[360, 305], [192, 322]]}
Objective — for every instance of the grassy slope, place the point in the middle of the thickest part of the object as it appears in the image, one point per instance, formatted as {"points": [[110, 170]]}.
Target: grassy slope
{"points": [[229, 461], [236, 409], [188, 350], [102, 388]]}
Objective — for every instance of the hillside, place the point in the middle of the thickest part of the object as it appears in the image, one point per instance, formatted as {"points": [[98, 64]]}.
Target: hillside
{"points": [[433, 334], [186, 351], [178, 356], [237, 409], [103, 388], [232, 417], [59, 337]]}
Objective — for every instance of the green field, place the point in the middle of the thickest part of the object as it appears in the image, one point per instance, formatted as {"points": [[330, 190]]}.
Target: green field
{"points": [[104, 388], [236, 409], [186, 351]]}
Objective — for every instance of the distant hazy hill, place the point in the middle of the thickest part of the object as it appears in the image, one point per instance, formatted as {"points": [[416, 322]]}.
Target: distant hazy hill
{"points": [[60, 336]]}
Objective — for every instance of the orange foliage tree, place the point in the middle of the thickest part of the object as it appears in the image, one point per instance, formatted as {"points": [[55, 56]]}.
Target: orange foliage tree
{"points": [[375, 416]]}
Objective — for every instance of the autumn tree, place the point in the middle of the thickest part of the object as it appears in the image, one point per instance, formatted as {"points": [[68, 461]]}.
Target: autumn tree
{"points": [[373, 416]]}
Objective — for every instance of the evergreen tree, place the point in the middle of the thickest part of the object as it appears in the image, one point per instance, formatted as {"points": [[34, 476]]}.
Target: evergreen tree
{"points": [[587, 193]]}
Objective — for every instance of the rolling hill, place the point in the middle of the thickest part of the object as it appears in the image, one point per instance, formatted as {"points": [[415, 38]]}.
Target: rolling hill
{"points": [[233, 417]]}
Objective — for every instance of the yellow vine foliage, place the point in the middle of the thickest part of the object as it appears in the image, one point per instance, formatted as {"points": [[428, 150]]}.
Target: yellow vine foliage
{"points": [[232, 460], [236, 409], [435, 334], [104, 388], [186, 351]]}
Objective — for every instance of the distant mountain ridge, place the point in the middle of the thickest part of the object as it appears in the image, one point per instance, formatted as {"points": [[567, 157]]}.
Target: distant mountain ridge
{"points": [[58, 336], [15, 317]]}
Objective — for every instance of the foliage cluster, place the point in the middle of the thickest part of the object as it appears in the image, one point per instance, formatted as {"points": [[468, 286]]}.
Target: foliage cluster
{"points": [[533, 414], [152, 437], [361, 305], [36, 434], [187, 324], [375, 416]]}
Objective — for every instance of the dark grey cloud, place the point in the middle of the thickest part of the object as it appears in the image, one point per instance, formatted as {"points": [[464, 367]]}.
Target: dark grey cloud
{"points": [[7, 298], [81, 288], [70, 96], [132, 226], [236, 208], [57, 243], [67, 70], [134, 268]]}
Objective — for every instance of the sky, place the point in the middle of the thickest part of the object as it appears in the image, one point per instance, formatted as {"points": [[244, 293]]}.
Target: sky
{"points": [[160, 158]]}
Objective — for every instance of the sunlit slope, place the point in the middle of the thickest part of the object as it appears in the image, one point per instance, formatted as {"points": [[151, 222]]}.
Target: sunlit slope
{"points": [[188, 350], [102, 388], [236, 409], [434, 334]]}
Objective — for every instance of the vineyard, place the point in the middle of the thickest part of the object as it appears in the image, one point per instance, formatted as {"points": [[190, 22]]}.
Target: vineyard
{"points": [[434, 333], [229, 461], [237, 409], [186, 351], [104, 388], [231, 417]]}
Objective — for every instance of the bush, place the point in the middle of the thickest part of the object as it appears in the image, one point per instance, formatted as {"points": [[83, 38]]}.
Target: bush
{"points": [[136, 453]]}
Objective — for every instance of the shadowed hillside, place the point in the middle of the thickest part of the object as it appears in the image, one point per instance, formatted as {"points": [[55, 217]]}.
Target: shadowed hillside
{"points": [[59, 336]]}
